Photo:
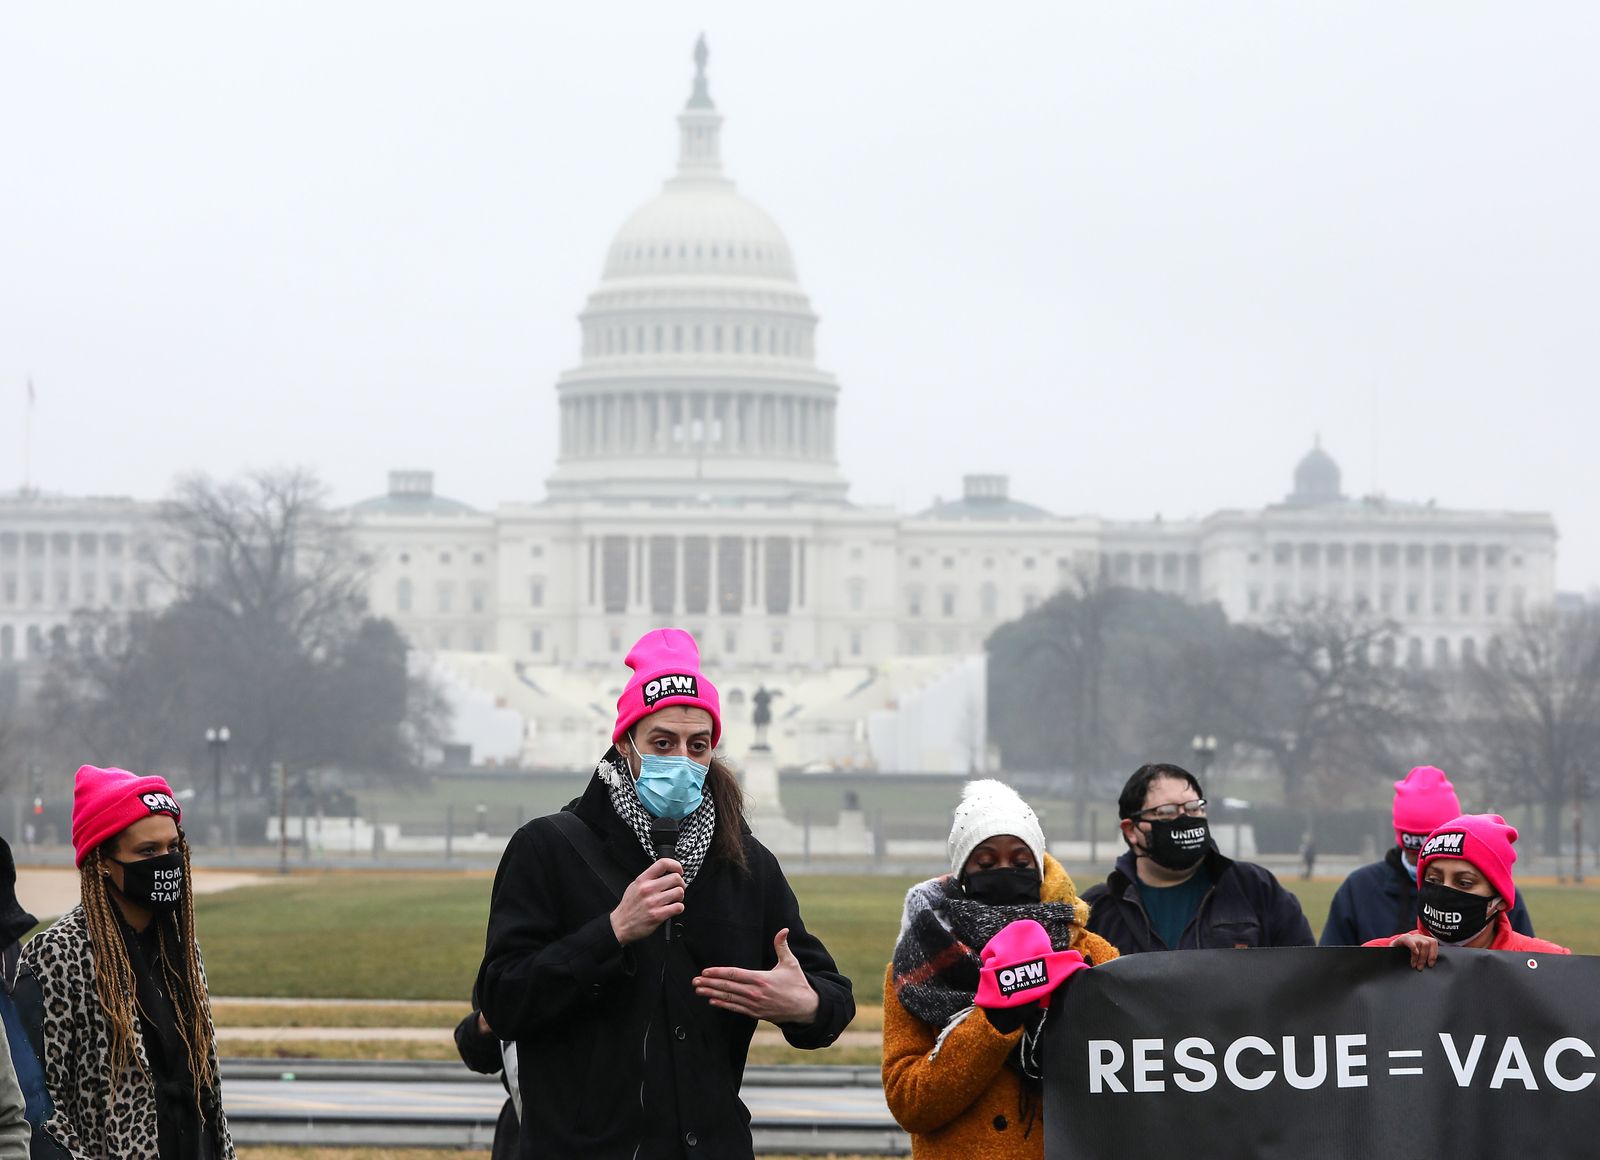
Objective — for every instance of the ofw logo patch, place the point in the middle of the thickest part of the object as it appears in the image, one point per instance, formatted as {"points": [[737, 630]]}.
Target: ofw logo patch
{"points": [[1448, 844], [160, 803], [1021, 977], [670, 685]]}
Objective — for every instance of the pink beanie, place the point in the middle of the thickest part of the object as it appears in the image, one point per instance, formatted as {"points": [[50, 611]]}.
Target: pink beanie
{"points": [[666, 671], [1020, 967], [1482, 839], [1423, 800], [107, 801]]}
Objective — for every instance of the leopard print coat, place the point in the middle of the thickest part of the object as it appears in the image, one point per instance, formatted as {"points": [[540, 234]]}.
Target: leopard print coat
{"points": [[95, 1119]]}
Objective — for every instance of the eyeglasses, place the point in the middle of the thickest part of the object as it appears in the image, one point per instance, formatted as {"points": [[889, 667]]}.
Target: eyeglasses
{"points": [[1170, 812]]}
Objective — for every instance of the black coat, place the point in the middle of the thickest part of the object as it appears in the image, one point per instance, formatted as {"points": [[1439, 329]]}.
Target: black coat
{"points": [[1246, 907], [1380, 899], [617, 1057], [482, 1054]]}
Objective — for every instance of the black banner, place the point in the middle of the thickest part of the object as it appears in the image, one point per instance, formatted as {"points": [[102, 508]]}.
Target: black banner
{"points": [[1325, 1053]]}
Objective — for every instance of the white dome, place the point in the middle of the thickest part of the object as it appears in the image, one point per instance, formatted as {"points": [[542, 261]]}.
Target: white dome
{"points": [[697, 226]]}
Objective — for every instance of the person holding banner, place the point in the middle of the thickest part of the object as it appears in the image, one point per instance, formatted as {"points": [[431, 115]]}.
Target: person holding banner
{"points": [[1173, 889], [1382, 896], [953, 1073], [1465, 892]]}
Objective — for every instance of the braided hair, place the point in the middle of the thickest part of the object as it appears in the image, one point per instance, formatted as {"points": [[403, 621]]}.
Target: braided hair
{"points": [[178, 961]]}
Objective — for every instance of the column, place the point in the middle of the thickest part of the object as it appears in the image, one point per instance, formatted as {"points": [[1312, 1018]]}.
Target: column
{"points": [[655, 430], [678, 586]]}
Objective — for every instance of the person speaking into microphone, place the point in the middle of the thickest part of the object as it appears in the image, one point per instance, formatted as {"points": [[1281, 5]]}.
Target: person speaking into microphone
{"points": [[632, 1042]]}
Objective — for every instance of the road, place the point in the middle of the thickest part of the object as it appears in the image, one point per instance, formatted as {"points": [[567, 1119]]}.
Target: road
{"points": [[376, 1112]]}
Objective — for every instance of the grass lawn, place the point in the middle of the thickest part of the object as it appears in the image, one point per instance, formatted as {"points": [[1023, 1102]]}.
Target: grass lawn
{"points": [[420, 936]]}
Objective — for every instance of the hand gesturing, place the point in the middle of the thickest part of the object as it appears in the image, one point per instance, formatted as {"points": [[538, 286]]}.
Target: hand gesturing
{"points": [[781, 995]]}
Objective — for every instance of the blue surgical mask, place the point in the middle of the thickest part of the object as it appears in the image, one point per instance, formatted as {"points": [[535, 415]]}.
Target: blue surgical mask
{"points": [[670, 787]]}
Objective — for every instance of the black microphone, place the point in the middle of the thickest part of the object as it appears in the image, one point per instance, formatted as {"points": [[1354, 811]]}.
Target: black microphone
{"points": [[664, 837]]}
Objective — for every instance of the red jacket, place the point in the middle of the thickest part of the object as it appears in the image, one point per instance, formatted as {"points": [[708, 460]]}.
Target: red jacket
{"points": [[1505, 939]]}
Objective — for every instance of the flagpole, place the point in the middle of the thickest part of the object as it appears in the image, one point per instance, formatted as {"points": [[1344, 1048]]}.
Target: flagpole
{"points": [[27, 442]]}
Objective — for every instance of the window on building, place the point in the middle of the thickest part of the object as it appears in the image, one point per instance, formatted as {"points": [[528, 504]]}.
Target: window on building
{"points": [[477, 642], [1282, 553], [8, 643], [479, 597], [1030, 601], [86, 586], [949, 563], [988, 601], [536, 551], [444, 596], [536, 592], [730, 641], [477, 557], [1255, 600], [855, 642], [536, 640], [444, 557], [114, 591], [947, 603], [1028, 562], [1464, 602], [1491, 601], [1414, 652], [1441, 653], [1469, 651], [1413, 602], [856, 592], [444, 638], [913, 602], [777, 642]]}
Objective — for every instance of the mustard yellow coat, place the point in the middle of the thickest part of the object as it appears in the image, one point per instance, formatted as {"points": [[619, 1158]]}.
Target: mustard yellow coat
{"points": [[958, 1099]]}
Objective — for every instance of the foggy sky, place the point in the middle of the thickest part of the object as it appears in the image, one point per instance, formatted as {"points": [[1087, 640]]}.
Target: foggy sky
{"points": [[1134, 255]]}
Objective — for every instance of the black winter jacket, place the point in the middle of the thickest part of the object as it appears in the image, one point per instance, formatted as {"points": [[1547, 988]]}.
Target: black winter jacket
{"points": [[1245, 907], [1380, 899], [617, 1057]]}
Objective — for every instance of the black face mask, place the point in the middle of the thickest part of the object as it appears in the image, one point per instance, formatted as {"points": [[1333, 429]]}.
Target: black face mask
{"points": [[1002, 886], [1450, 915], [154, 883], [1178, 844]]}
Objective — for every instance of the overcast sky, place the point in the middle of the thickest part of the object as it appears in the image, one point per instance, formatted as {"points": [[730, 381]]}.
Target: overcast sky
{"points": [[1135, 255]]}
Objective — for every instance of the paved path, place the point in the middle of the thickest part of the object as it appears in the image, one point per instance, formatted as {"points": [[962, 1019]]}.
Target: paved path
{"points": [[458, 1102], [49, 891], [226, 1035]]}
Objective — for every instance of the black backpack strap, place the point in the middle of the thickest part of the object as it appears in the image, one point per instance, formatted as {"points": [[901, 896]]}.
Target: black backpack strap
{"points": [[582, 839]]}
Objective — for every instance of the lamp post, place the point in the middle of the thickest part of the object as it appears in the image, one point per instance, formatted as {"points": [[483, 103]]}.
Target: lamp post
{"points": [[217, 740]]}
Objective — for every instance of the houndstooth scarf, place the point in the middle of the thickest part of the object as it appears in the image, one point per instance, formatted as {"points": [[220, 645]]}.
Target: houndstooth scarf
{"points": [[694, 832]]}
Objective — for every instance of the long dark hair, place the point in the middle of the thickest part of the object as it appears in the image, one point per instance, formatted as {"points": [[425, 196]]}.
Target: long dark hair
{"points": [[728, 841]]}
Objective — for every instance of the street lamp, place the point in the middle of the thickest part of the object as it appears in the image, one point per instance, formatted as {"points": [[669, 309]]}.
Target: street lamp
{"points": [[1205, 751], [217, 739]]}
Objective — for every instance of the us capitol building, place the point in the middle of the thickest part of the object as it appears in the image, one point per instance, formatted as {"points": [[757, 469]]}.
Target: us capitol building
{"points": [[697, 484]]}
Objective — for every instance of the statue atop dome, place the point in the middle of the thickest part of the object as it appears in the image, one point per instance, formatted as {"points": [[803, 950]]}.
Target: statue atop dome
{"points": [[701, 97]]}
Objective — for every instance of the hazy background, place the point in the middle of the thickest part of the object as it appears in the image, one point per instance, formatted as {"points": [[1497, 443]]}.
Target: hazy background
{"points": [[1136, 255]]}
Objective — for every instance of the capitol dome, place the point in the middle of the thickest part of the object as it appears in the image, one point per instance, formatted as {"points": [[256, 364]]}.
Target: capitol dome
{"points": [[1317, 479], [699, 376], [700, 227]]}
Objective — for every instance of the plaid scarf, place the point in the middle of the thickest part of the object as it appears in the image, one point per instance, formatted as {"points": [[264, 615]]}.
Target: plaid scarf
{"points": [[936, 960], [694, 832]]}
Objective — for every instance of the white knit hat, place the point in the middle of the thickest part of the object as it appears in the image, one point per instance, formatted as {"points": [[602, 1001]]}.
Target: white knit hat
{"points": [[989, 808]]}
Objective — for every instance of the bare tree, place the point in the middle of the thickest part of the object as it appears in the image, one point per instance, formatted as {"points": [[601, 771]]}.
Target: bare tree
{"points": [[1534, 712], [1317, 692], [268, 634]]}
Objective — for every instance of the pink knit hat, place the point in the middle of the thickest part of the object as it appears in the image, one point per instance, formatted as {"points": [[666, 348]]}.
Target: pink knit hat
{"points": [[666, 671], [1019, 966], [107, 801], [1482, 839], [1423, 799]]}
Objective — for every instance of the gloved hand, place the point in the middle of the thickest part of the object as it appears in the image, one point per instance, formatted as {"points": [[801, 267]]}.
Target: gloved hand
{"points": [[1005, 1020]]}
